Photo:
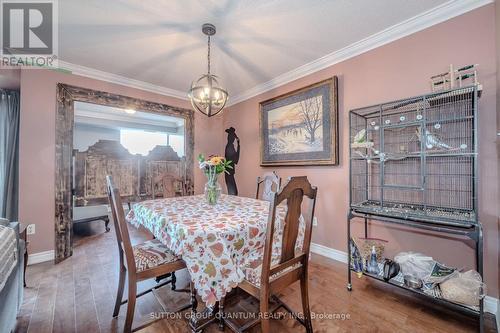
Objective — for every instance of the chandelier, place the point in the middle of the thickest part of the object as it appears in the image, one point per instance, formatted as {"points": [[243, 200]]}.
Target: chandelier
{"points": [[206, 95]]}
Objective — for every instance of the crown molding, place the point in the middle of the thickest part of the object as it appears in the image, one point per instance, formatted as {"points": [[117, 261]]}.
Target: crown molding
{"points": [[434, 16], [121, 80]]}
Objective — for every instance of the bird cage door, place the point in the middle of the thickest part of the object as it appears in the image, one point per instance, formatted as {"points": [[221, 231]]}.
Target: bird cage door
{"points": [[402, 157]]}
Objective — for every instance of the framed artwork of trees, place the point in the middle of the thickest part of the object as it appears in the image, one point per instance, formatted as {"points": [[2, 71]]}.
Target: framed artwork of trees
{"points": [[301, 127]]}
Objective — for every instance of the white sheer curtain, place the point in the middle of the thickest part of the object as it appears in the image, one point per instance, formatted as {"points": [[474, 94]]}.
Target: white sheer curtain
{"points": [[9, 153]]}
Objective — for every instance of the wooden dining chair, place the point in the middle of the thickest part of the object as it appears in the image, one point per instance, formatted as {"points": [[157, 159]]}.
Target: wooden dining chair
{"points": [[139, 262], [172, 186], [188, 187], [276, 270], [269, 182]]}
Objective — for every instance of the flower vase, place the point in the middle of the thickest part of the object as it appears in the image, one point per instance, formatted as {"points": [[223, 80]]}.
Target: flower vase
{"points": [[212, 191]]}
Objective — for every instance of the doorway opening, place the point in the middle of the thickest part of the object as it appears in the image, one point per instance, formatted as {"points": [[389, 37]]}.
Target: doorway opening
{"points": [[100, 133], [111, 140]]}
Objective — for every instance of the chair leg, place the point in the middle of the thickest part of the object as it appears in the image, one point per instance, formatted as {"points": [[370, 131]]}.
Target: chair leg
{"points": [[173, 278], [194, 301], [221, 314], [193, 321], [305, 304], [132, 295], [106, 224], [264, 313], [119, 292]]}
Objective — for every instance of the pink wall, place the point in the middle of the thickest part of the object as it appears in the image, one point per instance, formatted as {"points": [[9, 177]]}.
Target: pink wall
{"points": [[497, 17], [10, 78], [37, 144], [397, 70]]}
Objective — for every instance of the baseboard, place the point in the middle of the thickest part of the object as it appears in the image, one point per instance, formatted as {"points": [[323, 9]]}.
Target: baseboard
{"points": [[329, 252], [490, 303], [35, 258]]}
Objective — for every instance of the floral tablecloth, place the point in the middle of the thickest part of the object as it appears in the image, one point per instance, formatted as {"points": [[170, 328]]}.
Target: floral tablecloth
{"points": [[216, 242]]}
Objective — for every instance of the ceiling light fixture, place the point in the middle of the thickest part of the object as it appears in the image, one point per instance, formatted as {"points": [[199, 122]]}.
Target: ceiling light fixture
{"points": [[206, 95]]}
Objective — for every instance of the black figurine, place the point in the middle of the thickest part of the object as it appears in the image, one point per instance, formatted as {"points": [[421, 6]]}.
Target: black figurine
{"points": [[233, 155]]}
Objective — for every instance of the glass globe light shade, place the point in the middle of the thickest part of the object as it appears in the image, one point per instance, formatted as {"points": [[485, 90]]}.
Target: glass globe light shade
{"points": [[207, 96]]}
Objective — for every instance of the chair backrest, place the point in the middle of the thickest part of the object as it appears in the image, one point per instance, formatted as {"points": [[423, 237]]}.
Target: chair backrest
{"points": [[187, 187], [121, 228], [169, 183], [269, 182], [293, 192]]}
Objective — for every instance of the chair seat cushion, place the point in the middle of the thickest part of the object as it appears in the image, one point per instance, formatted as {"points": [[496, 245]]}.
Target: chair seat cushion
{"points": [[253, 270], [152, 253]]}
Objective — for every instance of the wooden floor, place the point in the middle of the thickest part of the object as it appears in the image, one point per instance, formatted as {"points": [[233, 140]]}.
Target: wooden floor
{"points": [[77, 295]]}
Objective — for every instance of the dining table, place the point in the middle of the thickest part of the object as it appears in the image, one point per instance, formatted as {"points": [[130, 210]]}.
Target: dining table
{"points": [[217, 242]]}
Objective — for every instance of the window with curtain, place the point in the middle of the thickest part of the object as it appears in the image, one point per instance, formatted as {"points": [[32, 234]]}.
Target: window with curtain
{"points": [[9, 153]]}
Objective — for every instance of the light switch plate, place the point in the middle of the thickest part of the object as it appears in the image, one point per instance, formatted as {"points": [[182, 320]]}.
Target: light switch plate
{"points": [[315, 221], [30, 230]]}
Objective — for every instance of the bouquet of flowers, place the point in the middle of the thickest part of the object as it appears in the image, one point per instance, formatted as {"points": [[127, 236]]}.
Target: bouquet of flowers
{"points": [[213, 166]]}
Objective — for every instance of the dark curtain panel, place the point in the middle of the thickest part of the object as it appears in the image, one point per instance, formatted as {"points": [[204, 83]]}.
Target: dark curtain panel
{"points": [[9, 153]]}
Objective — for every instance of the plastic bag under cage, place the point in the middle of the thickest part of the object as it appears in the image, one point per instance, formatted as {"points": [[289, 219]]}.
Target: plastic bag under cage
{"points": [[415, 264], [465, 288]]}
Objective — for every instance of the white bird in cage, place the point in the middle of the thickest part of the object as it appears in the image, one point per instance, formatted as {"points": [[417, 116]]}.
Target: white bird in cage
{"points": [[359, 140], [360, 136], [373, 155], [431, 140]]}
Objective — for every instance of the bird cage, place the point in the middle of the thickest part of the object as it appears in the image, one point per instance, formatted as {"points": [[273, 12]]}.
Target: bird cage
{"points": [[417, 158]]}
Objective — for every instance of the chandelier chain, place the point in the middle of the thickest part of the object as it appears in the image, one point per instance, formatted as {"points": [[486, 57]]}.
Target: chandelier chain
{"points": [[208, 55]]}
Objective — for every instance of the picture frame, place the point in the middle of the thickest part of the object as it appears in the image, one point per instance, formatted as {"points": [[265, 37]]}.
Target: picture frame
{"points": [[301, 127]]}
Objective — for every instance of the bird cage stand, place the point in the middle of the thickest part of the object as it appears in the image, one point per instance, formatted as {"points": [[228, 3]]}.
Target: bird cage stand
{"points": [[414, 163]]}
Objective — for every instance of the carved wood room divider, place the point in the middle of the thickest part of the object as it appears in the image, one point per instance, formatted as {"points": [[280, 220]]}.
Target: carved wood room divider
{"points": [[138, 177], [66, 96]]}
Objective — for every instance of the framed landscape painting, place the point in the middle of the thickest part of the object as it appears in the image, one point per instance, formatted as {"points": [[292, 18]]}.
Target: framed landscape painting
{"points": [[301, 127]]}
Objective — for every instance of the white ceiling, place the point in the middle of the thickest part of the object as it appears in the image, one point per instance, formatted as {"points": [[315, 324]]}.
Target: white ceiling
{"points": [[160, 42]]}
